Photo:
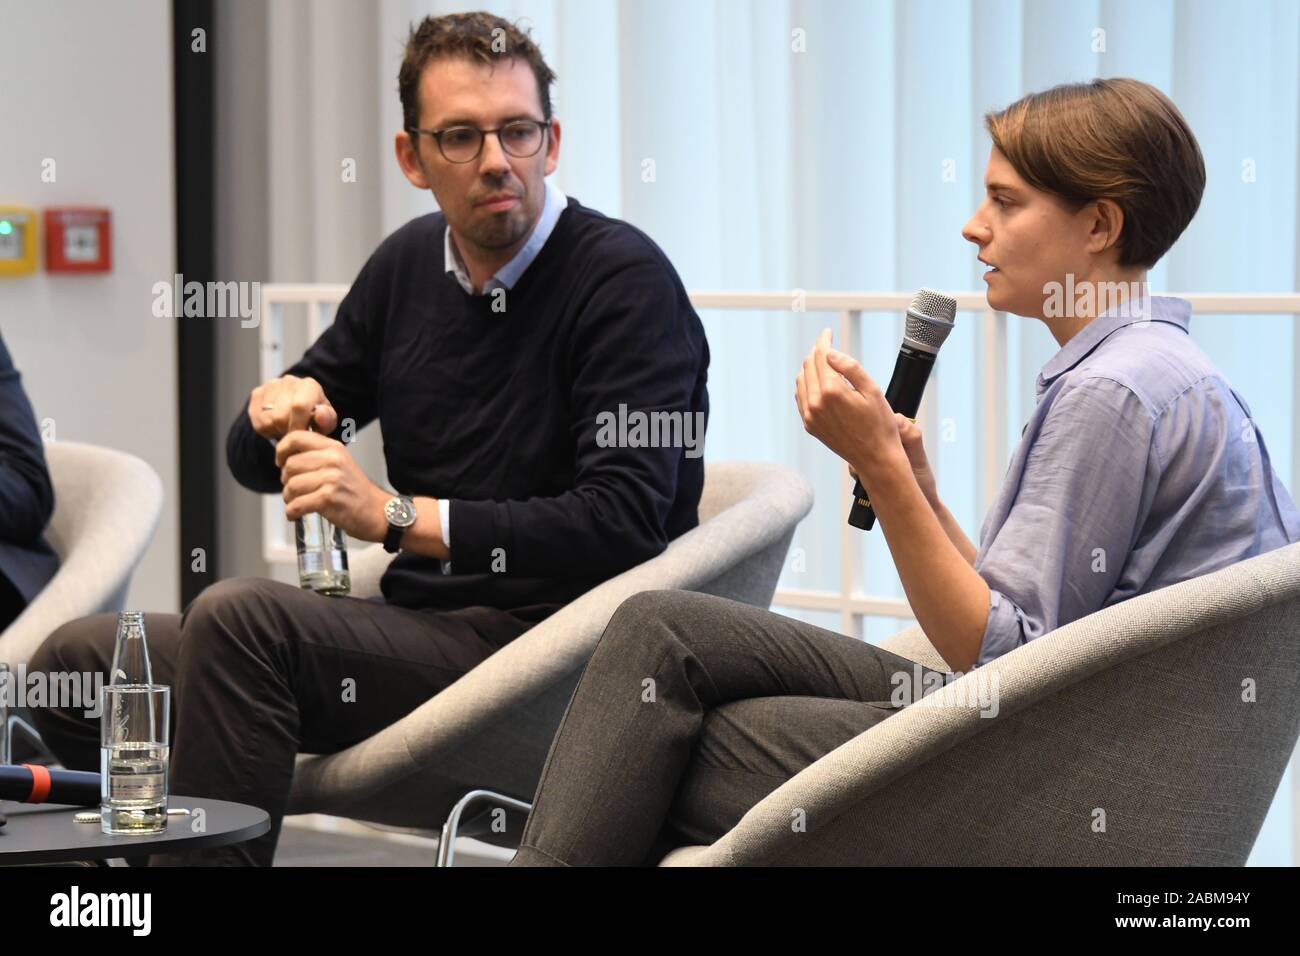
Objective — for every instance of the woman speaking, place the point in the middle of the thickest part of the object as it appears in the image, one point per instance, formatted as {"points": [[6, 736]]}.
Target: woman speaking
{"points": [[1139, 468]]}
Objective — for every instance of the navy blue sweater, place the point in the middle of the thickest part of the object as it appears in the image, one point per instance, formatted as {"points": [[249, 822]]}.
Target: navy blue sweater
{"points": [[497, 411]]}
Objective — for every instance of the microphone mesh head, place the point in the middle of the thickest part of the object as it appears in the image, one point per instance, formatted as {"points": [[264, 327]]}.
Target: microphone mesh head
{"points": [[930, 319], [934, 304]]}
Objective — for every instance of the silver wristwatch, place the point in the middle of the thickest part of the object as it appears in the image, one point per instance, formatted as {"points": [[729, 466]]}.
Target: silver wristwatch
{"points": [[400, 512]]}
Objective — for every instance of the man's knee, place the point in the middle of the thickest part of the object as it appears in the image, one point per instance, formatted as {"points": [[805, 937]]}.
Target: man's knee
{"points": [[75, 646], [235, 609], [73, 662]]}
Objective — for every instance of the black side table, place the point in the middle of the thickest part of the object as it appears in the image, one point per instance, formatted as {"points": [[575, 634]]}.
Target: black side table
{"points": [[47, 833]]}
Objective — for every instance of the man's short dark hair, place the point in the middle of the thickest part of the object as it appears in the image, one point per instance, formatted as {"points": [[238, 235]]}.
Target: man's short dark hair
{"points": [[474, 36]]}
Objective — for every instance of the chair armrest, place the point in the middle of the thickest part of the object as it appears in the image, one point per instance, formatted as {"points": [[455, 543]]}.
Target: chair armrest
{"points": [[366, 566], [1098, 705]]}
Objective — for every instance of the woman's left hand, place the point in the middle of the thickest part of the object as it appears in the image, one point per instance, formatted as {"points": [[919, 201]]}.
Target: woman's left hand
{"points": [[844, 409]]}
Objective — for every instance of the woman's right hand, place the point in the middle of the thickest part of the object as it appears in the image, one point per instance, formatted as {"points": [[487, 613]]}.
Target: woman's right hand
{"points": [[910, 434]]}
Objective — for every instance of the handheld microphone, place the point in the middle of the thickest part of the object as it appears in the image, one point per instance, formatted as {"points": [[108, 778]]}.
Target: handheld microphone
{"points": [[929, 322], [30, 783]]}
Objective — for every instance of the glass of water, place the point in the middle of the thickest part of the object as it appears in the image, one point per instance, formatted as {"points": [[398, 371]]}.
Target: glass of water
{"points": [[4, 713], [133, 752]]}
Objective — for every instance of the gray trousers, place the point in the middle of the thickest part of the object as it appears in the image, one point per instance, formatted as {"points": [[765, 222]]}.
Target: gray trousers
{"points": [[691, 710]]}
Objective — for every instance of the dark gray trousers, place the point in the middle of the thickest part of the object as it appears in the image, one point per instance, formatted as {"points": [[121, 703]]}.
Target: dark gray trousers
{"points": [[261, 671], [691, 710]]}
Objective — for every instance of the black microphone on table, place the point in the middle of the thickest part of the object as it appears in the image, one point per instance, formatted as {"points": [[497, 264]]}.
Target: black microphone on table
{"points": [[31, 783], [929, 322]]}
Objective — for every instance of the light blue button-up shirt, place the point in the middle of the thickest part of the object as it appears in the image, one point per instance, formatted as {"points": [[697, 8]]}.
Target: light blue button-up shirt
{"points": [[1139, 468], [504, 278]]}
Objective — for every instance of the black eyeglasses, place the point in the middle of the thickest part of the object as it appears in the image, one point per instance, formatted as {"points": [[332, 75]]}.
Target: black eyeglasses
{"points": [[462, 144]]}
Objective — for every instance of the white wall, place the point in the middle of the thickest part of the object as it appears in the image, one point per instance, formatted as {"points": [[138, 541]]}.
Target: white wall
{"points": [[297, 87], [89, 85]]}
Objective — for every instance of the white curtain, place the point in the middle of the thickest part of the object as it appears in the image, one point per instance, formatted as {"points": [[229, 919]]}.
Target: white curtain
{"points": [[826, 145]]}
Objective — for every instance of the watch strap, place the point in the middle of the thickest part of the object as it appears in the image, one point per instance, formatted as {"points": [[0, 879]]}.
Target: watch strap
{"points": [[393, 540]]}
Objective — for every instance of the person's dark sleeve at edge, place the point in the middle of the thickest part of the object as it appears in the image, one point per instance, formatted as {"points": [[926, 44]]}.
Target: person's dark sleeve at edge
{"points": [[26, 492]]}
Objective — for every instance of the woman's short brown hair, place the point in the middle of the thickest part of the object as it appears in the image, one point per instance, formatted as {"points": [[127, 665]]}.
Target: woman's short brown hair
{"points": [[1117, 139], [475, 36]]}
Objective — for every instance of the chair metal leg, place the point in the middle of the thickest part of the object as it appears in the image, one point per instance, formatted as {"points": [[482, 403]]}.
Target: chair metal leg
{"points": [[446, 846], [16, 722]]}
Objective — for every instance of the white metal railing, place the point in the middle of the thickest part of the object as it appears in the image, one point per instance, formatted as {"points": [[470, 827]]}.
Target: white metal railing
{"points": [[852, 604]]}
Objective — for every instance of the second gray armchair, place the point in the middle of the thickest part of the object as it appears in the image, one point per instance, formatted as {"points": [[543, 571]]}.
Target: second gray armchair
{"points": [[1153, 732], [493, 728]]}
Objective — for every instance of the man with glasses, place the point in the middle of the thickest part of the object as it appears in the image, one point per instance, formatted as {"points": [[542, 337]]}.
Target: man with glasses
{"points": [[489, 340]]}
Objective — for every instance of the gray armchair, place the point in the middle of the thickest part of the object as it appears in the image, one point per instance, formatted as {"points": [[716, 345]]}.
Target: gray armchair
{"points": [[1128, 738], [106, 508], [485, 738]]}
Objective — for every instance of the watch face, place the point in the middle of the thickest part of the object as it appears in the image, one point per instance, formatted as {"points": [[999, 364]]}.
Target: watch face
{"points": [[400, 512]]}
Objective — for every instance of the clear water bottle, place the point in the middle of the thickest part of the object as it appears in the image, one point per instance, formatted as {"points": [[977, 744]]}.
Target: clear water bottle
{"points": [[131, 654], [133, 749], [322, 555]]}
